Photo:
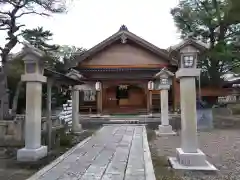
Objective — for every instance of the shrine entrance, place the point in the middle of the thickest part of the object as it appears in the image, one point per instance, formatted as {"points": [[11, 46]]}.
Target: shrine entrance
{"points": [[124, 98]]}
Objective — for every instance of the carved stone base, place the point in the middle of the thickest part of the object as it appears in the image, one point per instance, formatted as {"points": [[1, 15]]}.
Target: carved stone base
{"points": [[165, 130], [191, 161], [29, 155]]}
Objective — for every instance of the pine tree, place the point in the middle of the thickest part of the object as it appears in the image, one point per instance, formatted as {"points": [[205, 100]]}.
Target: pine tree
{"points": [[216, 22]]}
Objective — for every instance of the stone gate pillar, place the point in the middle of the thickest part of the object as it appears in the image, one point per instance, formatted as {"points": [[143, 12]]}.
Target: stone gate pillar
{"points": [[34, 78], [76, 126]]}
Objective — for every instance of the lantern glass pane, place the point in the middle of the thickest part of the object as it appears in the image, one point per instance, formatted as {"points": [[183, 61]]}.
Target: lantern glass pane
{"points": [[164, 81], [30, 67], [188, 61]]}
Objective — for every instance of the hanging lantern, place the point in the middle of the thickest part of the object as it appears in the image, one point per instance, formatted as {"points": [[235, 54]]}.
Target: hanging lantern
{"points": [[98, 86], [150, 85]]}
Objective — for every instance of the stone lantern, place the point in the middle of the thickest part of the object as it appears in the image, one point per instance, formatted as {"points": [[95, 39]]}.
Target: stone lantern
{"points": [[34, 69], [163, 85], [189, 156]]}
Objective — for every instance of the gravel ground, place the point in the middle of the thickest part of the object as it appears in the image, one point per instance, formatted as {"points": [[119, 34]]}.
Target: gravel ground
{"points": [[222, 148]]}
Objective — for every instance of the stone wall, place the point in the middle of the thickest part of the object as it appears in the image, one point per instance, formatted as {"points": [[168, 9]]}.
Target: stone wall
{"points": [[12, 132], [224, 118]]}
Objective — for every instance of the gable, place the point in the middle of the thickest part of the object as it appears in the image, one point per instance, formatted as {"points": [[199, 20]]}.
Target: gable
{"points": [[119, 54], [122, 54]]}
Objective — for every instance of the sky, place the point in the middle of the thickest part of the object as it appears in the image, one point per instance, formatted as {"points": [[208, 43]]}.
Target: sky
{"points": [[89, 22]]}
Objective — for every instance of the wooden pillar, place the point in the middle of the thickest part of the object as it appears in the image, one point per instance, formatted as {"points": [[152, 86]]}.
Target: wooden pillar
{"points": [[150, 87], [99, 100], [49, 113], [150, 98], [174, 93], [149, 101]]}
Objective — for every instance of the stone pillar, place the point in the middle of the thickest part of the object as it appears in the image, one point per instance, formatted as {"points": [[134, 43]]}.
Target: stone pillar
{"points": [[164, 107], [76, 126], [189, 141], [165, 128], [189, 156], [33, 149]]}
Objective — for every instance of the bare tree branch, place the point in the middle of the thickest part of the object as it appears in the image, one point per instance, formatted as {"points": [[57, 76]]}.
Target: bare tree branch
{"points": [[32, 12], [5, 13], [4, 28]]}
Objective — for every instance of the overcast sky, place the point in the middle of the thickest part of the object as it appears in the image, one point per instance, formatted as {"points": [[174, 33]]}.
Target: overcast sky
{"points": [[88, 22]]}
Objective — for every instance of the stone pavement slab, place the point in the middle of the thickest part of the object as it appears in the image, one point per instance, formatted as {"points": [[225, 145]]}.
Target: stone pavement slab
{"points": [[115, 152]]}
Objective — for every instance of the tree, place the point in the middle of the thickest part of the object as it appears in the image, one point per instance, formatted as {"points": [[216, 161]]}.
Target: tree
{"points": [[217, 23], [39, 39], [56, 56], [66, 54], [15, 69], [11, 12]]}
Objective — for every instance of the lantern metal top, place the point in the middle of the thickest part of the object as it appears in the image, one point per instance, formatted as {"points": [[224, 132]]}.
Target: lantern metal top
{"points": [[164, 73]]}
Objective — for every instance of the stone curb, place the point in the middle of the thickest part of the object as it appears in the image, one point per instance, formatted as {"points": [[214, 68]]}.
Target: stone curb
{"points": [[149, 170]]}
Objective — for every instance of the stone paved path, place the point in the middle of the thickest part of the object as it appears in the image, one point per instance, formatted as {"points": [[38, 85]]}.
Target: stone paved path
{"points": [[116, 152]]}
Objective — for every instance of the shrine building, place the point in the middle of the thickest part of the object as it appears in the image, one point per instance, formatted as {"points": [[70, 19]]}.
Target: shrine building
{"points": [[122, 66]]}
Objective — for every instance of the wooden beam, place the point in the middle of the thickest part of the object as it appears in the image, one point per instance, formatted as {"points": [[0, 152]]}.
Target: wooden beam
{"points": [[126, 66]]}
